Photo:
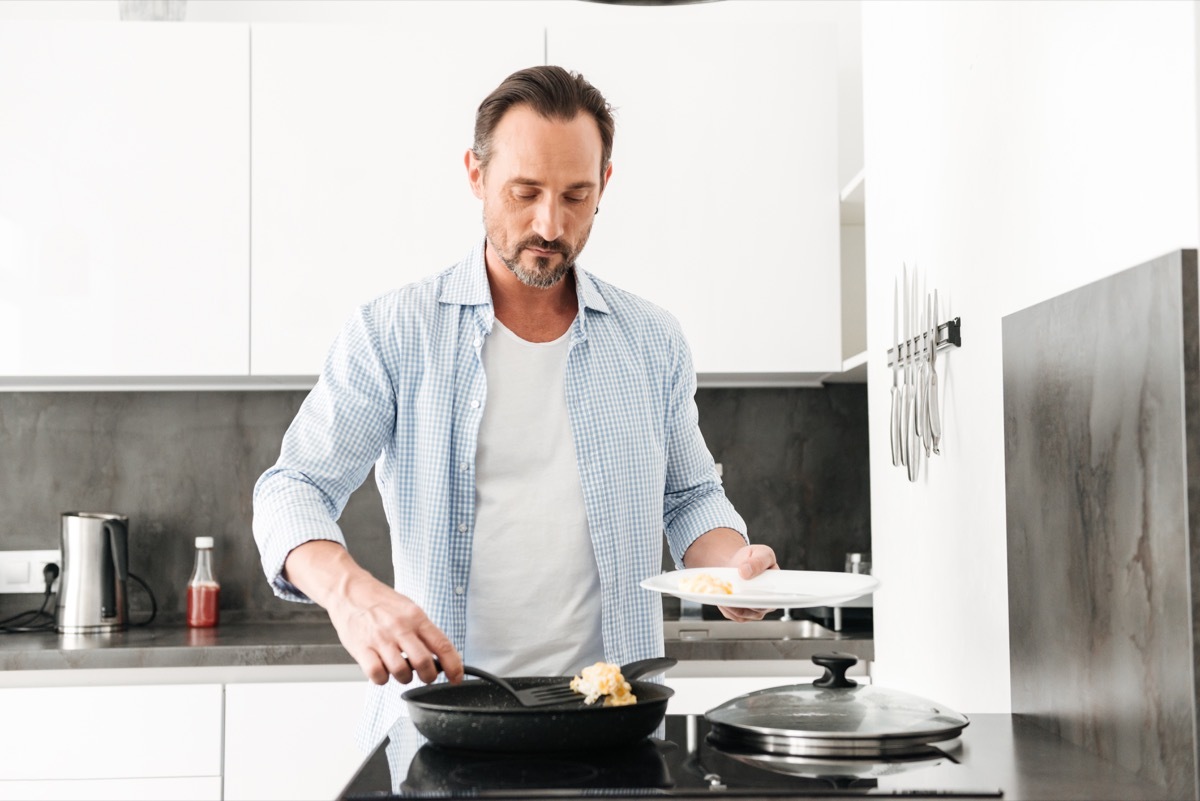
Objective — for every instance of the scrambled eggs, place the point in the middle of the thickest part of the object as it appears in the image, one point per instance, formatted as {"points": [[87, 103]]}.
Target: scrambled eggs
{"points": [[603, 679], [706, 583]]}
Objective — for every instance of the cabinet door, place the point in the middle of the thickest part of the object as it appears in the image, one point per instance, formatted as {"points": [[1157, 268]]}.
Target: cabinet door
{"points": [[124, 241], [108, 735], [359, 135], [292, 740], [723, 205]]}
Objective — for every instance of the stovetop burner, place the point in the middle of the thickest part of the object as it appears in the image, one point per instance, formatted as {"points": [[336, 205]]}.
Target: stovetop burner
{"points": [[687, 763]]}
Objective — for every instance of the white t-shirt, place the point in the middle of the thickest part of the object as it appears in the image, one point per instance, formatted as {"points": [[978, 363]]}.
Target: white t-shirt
{"points": [[533, 594]]}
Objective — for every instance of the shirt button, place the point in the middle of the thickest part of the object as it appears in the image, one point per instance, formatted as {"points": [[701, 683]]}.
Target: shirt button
{"points": [[459, 590], [478, 342], [463, 466], [474, 404], [462, 527]]}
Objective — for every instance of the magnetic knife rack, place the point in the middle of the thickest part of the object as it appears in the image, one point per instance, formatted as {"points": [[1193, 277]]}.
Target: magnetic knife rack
{"points": [[949, 335]]}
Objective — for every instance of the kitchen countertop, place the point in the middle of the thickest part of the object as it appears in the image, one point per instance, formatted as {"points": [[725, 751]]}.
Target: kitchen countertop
{"points": [[275, 643]]}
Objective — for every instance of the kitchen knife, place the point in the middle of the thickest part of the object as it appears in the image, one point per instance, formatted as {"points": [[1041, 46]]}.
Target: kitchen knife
{"points": [[906, 387], [895, 416], [912, 442], [935, 418]]}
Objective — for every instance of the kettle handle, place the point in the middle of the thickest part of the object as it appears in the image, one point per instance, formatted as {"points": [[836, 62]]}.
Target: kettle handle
{"points": [[118, 546]]}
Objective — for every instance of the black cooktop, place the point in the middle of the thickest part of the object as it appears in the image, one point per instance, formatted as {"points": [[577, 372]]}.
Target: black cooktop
{"points": [[682, 763]]}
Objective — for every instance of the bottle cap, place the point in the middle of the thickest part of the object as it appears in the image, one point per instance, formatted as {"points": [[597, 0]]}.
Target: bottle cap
{"points": [[204, 542]]}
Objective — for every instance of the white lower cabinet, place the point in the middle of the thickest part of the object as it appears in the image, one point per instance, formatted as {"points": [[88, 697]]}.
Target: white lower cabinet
{"points": [[128, 742], [292, 740], [197, 788]]}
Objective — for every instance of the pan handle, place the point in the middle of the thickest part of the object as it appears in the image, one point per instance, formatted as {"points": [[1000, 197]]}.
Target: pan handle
{"points": [[647, 667]]}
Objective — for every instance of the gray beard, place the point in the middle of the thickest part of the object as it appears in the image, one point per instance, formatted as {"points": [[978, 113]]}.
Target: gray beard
{"points": [[544, 278]]}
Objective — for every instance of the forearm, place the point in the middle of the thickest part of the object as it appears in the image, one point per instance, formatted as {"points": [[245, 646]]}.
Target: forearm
{"points": [[325, 572]]}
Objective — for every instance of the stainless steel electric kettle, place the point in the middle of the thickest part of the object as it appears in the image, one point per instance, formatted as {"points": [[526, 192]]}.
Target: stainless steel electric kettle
{"points": [[93, 592]]}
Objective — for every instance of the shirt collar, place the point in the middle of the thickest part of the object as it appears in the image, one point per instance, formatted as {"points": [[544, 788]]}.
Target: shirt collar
{"points": [[467, 284]]}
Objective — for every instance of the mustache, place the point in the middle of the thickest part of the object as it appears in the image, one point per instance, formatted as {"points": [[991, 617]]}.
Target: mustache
{"points": [[543, 244]]}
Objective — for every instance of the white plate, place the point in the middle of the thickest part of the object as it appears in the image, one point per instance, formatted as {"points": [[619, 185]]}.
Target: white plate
{"points": [[776, 589]]}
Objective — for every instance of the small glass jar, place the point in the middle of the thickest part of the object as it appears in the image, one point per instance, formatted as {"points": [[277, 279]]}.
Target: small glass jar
{"points": [[203, 591], [858, 563]]}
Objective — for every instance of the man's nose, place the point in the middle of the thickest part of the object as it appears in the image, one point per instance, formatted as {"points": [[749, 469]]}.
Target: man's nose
{"points": [[548, 220]]}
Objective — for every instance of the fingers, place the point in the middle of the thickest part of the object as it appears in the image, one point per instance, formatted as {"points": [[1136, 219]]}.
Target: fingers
{"points": [[396, 661], [742, 614], [753, 560], [391, 637], [419, 661], [452, 664]]}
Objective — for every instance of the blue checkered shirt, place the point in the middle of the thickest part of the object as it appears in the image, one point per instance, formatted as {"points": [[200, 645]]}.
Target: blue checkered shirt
{"points": [[404, 388]]}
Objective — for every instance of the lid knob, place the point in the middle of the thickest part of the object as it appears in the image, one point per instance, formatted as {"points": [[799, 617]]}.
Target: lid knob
{"points": [[835, 666]]}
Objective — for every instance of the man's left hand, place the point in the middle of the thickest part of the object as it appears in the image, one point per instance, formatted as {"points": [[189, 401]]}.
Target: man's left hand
{"points": [[750, 561]]}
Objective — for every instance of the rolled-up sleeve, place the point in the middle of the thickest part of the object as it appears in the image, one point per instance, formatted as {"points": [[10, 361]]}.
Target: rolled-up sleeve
{"points": [[327, 451], [694, 501]]}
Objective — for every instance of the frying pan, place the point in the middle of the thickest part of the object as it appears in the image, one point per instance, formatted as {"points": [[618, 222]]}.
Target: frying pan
{"points": [[480, 716]]}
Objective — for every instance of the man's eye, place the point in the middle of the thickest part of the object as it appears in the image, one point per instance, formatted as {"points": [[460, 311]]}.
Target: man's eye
{"points": [[525, 195], [576, 198]]}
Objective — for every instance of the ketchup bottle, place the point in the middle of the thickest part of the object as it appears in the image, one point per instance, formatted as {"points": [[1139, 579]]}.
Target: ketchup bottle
{"points": [[203, 589]]}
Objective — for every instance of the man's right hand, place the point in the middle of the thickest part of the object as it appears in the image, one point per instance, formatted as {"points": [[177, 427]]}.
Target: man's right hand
{"points": [[385, 632]]}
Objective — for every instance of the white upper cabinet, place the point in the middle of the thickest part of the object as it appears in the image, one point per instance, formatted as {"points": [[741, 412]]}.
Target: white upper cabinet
{"points": [[124, 199], [723, 205], [359, 134]]}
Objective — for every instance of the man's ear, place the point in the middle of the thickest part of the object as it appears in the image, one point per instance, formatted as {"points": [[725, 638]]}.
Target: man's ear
{"points": [[604, 182], [474, 173]]}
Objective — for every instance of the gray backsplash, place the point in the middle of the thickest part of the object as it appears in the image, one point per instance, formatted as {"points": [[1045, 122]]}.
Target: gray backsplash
{"points": [[183, 464]]}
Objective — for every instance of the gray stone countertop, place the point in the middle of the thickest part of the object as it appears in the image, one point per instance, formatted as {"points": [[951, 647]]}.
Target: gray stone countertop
{"points": [[160, 646], [273, 643]]}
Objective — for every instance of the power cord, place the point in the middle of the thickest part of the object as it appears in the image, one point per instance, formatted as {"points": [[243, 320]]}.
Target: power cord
{"points": [[28, 621], [41, 620], [153, 602]]}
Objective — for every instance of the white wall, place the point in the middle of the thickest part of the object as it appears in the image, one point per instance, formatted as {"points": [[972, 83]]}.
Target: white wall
{"points": [[1013, 151]]}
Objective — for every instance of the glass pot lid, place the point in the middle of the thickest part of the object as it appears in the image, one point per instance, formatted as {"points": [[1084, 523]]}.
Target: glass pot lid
{"points": [[833, 715]]}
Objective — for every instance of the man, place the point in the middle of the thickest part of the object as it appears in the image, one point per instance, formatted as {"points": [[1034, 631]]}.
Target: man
{"points": [[535, 431]]}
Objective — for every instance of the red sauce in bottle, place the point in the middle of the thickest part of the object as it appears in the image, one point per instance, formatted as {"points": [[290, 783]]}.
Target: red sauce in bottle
{"points": [[202, 607]]}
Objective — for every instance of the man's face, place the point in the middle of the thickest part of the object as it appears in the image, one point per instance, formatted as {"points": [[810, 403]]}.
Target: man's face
{"points": [[540, 192]]}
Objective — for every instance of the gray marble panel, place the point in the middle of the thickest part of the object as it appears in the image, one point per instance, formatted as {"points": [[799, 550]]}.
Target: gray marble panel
{"points": [[1100, 553]]}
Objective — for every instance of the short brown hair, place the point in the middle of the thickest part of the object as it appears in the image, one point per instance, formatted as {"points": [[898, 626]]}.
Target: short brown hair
{"points": [[552, 92]]}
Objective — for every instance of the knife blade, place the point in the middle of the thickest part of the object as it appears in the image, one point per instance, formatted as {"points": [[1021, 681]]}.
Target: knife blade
{"points": [[894, 419], [935, 417], [906, 388], [912, 441]]}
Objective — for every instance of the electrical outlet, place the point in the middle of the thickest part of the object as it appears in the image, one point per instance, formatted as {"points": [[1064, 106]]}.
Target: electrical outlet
{"points": [[21, 571]]}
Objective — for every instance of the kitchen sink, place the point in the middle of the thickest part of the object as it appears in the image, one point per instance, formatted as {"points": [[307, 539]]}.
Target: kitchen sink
{"points": [[751, 630]]}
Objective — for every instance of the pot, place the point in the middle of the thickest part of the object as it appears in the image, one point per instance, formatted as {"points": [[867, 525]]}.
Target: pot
{"points": [[833, 716], [480, 716]]}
